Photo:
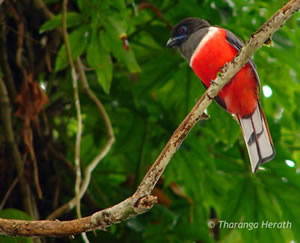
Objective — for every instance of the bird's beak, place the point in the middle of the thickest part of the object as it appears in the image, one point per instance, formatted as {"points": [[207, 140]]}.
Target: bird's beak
{"points": [[175, 41], [171, 42]]}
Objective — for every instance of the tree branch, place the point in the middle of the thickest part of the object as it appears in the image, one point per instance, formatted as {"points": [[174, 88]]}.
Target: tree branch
{"points": [[141, 200]]}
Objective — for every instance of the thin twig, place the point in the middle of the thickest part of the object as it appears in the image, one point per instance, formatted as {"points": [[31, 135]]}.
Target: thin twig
{"points": [[79, 117], [7, 194], [20, 38], [19, 56], [42, 6], [34, 161], [102, 153], [5, 114], [110, 134], [9, 80], [71, 170]]}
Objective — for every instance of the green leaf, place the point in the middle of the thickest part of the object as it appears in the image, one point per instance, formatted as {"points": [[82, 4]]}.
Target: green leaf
{"points": [[78, 40], [11, 213], [232, 207], [125, 57], [73, 19], [99, 59], [104, 76], [5, 239], [117, 25], [119, 4]]}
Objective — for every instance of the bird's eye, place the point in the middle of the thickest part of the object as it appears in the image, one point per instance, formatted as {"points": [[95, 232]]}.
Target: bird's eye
{"points": [[182, 30]]}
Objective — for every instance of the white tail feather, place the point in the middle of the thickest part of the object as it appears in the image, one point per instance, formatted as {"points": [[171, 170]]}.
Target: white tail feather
{"points": [[257, 138]]}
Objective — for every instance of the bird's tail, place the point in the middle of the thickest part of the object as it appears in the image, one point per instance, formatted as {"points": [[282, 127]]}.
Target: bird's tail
{"points": [[257, 138]]}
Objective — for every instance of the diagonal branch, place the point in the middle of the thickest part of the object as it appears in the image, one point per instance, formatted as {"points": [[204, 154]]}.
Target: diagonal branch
{"points": [[141, 200], [263, 34]]}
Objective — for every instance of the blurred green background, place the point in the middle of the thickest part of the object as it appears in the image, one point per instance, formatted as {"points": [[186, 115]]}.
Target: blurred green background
{"points": [[147, 90]]}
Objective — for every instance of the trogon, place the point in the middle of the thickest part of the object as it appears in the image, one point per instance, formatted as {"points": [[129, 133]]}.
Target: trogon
{"points": [[207, 48]]}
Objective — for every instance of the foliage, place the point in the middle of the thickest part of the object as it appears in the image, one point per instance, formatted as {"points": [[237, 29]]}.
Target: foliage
{"points": [[147, 90]]}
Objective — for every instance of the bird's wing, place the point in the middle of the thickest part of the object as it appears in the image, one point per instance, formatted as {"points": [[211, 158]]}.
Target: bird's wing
{"points": [[237, 44]]}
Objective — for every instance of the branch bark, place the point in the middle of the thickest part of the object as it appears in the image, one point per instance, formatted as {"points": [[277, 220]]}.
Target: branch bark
{"points": [[141, 200]]}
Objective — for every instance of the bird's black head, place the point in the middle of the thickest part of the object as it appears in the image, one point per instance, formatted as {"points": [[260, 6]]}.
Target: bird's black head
{"points": [[184, 29]]}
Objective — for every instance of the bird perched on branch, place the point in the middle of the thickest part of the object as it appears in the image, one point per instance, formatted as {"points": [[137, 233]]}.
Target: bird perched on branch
{"points": [[207, 48]]}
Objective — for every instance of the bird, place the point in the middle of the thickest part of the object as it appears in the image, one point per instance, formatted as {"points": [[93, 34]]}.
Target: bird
{"points": [[207, 49]]}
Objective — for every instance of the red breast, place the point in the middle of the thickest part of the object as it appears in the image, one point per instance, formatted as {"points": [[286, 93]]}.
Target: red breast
{"points": [[213, 51]]}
